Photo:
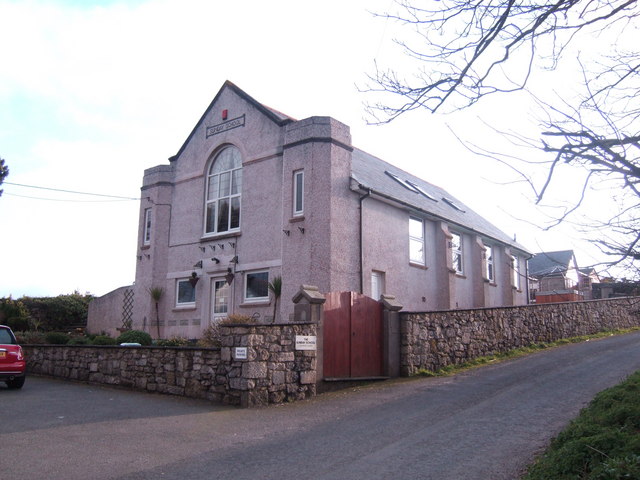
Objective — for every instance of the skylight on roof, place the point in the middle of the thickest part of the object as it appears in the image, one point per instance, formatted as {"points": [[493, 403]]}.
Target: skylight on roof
{"points": [[421, 191], [453, 204], [402, 182]]}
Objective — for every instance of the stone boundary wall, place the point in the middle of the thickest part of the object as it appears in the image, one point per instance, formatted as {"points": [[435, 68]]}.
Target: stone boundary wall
{"points": [[436, 339], [273, 372]]}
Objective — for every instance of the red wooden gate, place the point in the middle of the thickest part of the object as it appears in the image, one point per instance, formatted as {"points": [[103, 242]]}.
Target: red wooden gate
{"points": [[352, 338]]}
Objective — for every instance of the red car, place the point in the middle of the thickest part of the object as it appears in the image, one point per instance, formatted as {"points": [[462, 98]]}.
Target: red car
{"points": [[12, 363]]}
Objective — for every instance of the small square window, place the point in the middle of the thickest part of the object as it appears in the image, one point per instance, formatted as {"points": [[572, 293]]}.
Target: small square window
{"points": [[256, 286], [185, 293]]}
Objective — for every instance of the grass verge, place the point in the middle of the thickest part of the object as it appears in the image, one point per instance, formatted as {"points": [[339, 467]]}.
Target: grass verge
{"points": [[517, 352], [603, 443]]}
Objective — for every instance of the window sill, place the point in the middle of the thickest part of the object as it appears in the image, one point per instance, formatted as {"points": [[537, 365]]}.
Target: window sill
{"points": [[296, 219], [260, 303], [182, 308], [460, 275], [220, 236], [145, 247], [418, 265]]}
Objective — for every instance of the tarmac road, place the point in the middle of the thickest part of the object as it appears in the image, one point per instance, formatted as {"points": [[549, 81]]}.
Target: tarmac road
{"points": [[485, 424]]}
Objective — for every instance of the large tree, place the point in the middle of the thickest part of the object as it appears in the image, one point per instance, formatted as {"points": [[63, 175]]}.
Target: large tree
{"points": [[4, 172], [467, 51]]}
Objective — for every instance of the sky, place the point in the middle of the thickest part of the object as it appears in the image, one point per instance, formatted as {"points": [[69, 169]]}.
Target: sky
{"points": [[94, 92]]}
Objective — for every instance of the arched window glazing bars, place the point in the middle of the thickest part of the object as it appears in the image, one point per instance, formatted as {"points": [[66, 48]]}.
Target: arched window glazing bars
{"points": [[224, 191]]}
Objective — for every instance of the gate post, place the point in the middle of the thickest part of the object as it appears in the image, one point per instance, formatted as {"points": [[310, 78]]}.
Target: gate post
{"points": [[308, 308], [391, 335]]}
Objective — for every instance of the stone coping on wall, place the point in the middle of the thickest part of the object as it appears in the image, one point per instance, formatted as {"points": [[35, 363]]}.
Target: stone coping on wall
{"points": [[529, 305], [128, 347]]}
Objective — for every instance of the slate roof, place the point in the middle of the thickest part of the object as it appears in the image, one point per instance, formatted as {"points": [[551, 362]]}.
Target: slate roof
{"points": [[371, 173], [550, 263]]}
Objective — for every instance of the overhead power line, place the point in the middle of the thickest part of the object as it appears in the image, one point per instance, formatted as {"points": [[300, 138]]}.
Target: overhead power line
{"points": [[72, 191], [69, 200]]}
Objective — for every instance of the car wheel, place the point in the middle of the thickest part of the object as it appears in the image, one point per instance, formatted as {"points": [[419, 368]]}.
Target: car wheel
{"points": [[16, 382]]}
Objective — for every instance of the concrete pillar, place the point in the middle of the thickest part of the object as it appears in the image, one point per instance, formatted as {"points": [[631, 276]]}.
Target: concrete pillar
{"points": [[308, 307]]}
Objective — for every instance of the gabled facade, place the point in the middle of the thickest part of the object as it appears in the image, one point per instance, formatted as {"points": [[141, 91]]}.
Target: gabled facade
{"points": [[254, 194], [555, 276]]}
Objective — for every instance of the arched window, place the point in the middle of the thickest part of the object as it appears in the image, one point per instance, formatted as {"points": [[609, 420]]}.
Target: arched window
{"points": [[224, 188]]}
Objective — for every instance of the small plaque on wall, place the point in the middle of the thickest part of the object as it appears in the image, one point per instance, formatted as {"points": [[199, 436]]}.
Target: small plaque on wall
{"points": [[305, 342], [240, 353]]}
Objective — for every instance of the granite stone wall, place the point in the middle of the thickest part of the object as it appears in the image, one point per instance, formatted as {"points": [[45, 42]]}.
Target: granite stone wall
{"points": [[273, 371], [436, 339]]}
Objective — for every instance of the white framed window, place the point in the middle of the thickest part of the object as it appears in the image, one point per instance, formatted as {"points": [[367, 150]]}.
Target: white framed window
{"points": [[490, 267], [146, 237], [298, 193], [416, 241], [224, 190], [256, 286], [457, 260], [185, 293], [515, 269]]}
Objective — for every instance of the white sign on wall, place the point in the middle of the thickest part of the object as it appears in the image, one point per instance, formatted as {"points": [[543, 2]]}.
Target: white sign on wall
{"points": [[305, 342], [240, 353]]}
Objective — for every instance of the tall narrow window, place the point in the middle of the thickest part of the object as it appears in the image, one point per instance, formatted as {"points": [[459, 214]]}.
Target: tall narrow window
{"points": [[456, 253], [298, 193], [147, 227], [515, 269], [489, 254], [224, 189], [416, 240]]}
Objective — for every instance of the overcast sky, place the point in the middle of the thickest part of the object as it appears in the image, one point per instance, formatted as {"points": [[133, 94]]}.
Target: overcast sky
{"points": [[94, 92]]}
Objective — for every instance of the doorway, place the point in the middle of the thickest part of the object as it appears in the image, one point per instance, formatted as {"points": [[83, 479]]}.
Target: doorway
{"points": [[220, 299]]}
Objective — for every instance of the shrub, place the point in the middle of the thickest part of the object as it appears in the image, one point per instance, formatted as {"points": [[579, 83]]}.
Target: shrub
{"points": [[14, 314], [30, 338], [237, 319], [103, 340], [173, 342], [58, 313], [79, 341], [56, 338], [135, 336], [210, 336], [17, 323]]}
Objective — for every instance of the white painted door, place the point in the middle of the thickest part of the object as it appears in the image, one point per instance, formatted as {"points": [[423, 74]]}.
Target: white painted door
{"points": [[377, 284], [220, 299]]}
